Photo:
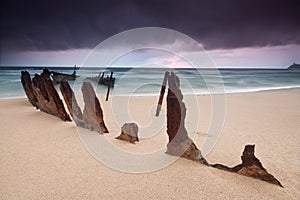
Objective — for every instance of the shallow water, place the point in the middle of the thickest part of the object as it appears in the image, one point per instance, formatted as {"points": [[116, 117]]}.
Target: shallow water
{"points": [[147, 81]]}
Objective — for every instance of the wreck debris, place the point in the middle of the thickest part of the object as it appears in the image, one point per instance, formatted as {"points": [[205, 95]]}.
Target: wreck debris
{"points": [[162, 92], [39, 82], [59, 77], [27, 85], [181, 145], [179, 142], [100, 79], [92, 113], [71, 102], [53, 105], [251, 166], [109, 85], [42, 94], [92, 116], [129, 133]]}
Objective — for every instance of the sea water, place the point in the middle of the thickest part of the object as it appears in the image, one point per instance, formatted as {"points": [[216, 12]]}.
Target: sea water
{"points": [[147, 81]]}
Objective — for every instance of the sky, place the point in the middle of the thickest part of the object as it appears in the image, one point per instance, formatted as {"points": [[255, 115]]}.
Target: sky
{"points": [[234, 33]]}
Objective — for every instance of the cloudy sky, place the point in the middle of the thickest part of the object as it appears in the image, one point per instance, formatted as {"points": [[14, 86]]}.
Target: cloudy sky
{"points": [[235, 33]]}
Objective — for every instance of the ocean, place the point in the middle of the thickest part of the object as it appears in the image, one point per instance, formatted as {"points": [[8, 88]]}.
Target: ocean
{"points": [[147, 81]]}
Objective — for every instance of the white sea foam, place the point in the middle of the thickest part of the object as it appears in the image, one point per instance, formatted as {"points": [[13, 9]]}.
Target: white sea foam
{"points": [[146, 82]]}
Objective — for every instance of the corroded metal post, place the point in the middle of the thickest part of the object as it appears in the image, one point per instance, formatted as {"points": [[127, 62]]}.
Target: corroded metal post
{"points": [[109, 85], [162, 92], [92, 113], [43, 95], [27, 86], [179, 142], [71, 102]]}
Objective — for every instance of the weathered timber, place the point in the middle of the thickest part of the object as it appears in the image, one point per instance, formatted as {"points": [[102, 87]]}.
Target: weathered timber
{"points": [[179, 142], [27, 85], [92, 114], [251, 166], [71, 102], [162, 92], [129, 132]]}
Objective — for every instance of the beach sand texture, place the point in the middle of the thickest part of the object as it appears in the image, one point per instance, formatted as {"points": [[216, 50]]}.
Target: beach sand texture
{"points": [[42, 157]]}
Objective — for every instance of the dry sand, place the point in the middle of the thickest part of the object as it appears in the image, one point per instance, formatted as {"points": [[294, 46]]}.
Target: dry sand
{"points": [[42, 157]]}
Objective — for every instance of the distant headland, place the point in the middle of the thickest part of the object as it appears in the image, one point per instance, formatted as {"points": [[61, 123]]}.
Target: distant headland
{"points": [[294, 66]]}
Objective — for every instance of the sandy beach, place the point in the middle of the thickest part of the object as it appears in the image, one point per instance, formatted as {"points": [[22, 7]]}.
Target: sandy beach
{"points": [[42, 157]]}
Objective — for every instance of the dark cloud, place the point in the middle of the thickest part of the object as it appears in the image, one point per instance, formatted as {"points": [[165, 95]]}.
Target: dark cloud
{"points": [[62, 24]]}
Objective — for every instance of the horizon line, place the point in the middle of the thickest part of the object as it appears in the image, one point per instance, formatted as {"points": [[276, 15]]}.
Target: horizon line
{"points": [[122, 66]]}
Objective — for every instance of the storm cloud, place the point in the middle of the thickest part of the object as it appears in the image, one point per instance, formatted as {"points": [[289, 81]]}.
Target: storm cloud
{"points": [[78, 24]]}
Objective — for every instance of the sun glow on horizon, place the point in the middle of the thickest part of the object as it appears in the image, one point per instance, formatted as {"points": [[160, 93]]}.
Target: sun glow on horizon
{"points": [[250, 57]]}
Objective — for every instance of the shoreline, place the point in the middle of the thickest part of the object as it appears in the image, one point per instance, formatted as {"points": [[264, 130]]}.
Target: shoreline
{"points": [[197, 94], [43, 157]]}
